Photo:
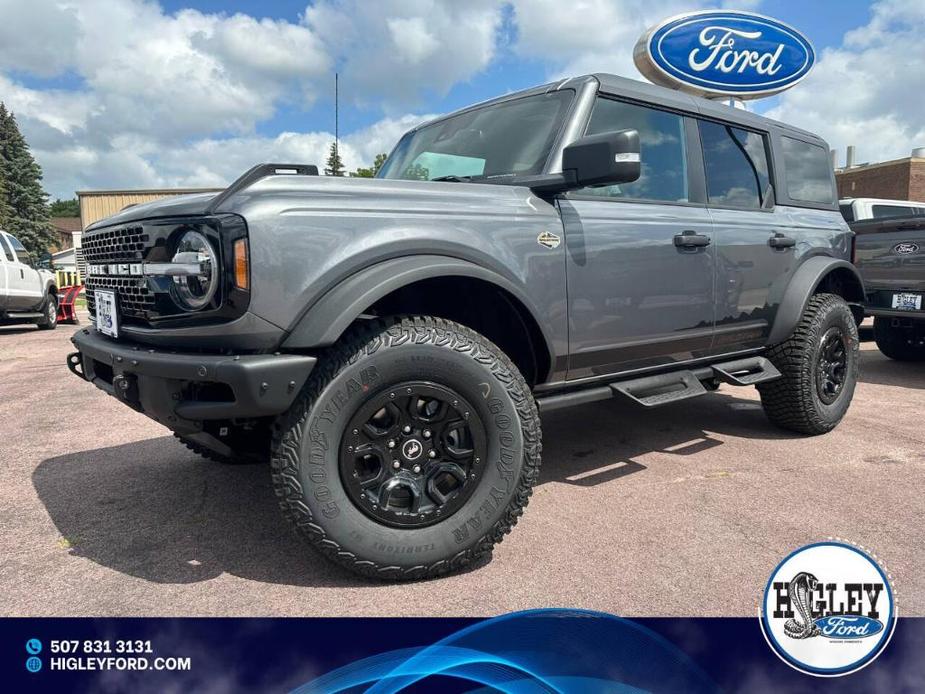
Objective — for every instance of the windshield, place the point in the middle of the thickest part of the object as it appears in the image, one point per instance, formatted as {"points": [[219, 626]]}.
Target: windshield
{"points": [[513, 137]]}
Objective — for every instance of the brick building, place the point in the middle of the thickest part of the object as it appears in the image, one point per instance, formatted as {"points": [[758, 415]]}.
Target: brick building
{"points": [[899, 179]]}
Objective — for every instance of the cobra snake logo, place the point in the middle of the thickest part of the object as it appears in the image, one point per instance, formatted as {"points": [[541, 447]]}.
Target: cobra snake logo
{"points": [[800, 590]]}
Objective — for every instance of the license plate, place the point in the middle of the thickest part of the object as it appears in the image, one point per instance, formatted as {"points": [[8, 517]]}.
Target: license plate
{"points": [[107, 313], [907, 302]]}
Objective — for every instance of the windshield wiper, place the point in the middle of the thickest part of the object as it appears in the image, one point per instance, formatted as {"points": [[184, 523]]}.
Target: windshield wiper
{"points": [[453, 178]]}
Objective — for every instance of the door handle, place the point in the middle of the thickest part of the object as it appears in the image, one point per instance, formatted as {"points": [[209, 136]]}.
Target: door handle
{"points": [[691, 239], [22, 274], [781, 241]]}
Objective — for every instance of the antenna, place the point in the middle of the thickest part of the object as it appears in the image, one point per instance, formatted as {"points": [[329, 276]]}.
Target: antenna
{"points": [[335, 118]]}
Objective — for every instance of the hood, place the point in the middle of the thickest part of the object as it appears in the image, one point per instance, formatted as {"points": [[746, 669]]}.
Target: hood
{"points": [[172, 206]]}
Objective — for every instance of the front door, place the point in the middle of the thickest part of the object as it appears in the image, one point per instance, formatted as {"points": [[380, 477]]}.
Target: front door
{"points": [[23, 280], [640, 256]]}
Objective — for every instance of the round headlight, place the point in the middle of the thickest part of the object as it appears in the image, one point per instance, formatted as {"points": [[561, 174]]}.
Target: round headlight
{"points": [[196, 286]]}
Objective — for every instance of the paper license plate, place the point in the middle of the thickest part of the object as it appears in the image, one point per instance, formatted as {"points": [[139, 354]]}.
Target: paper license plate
{"points": [[107, 313], [907, 302]]}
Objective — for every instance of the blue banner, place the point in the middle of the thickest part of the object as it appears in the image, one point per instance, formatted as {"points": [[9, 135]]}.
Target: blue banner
{"points": [[525, 652]]}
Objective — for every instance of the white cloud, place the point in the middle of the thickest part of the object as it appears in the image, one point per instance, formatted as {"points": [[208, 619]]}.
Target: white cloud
{"points": [[176, 99], [431, 44], [869, 91], [586, 36], [209, 162]]}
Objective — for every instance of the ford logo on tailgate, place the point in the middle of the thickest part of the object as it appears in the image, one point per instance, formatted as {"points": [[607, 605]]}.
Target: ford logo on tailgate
{"points": [[731, 53], [906, 248]]}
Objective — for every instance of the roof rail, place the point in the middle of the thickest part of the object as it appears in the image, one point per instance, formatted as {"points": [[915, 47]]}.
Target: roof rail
{"points": [[254, 174]]}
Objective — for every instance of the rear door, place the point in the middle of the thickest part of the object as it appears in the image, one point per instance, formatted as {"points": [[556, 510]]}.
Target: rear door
{"points": [[23, 280], [760, 242], [640, 260], [740, 199]]}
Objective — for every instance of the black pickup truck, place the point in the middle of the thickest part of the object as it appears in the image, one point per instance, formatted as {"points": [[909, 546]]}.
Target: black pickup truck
{"points": [[890, 254]]}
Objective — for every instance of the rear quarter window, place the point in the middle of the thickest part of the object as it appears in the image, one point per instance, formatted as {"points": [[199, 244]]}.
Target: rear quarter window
{"points": [[808, 171]]}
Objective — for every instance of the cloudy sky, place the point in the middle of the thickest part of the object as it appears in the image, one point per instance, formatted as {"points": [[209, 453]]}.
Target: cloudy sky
{"points": [[134, 93]]}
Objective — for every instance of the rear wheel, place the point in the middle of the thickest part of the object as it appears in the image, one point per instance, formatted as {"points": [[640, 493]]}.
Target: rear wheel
{"points": [[819, 369], [902, 343], [411, 451], [49, 319]]}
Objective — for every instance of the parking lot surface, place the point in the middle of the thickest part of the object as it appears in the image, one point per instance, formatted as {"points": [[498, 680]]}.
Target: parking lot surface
{"points": [[683, 510]]}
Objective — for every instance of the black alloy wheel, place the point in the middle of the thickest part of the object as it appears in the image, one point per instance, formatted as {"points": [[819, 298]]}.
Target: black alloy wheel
{"points": [[832, 365], [411, 454]]}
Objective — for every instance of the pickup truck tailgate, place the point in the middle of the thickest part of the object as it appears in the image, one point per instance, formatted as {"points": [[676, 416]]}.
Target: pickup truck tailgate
{"points": [[890, 255]]}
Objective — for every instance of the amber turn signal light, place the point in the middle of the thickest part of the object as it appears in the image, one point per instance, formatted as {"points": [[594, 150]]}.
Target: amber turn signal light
{"points": [[241, 264]]}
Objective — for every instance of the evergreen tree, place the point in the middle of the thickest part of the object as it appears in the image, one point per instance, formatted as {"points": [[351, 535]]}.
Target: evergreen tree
{"points": [[27, 215], [4, 205], [64, 208], [334, 167]]}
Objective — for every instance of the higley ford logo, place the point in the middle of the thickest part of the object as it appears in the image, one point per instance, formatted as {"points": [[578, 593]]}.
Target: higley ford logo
{"points": [[828, 609], [906, 248], [717, 52]]}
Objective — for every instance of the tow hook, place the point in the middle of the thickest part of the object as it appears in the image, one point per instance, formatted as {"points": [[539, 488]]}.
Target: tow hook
{"points": [[75, 364], [125, 387]]}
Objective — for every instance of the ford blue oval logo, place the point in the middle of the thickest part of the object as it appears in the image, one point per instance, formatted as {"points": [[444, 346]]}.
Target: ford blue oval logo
{"points": [[724, 53], [848, 626], [906, 248]]}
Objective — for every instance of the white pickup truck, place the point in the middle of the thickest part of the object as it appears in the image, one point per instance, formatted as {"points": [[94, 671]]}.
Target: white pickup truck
{"points": [[857, 209], [27, 294]]}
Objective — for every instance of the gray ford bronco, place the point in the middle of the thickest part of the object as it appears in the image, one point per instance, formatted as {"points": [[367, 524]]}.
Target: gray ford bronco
{"points": [[389, 344]]}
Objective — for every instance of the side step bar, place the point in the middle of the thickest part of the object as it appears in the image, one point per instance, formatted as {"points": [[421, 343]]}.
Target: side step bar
{"points": [[661, 389], [652, 391], [746, 372]]}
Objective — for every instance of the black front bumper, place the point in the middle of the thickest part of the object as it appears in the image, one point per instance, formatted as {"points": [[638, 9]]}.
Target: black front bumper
{"points": [[181, 390]]}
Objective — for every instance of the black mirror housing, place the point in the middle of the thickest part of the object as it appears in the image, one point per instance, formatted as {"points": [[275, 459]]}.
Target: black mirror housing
{"points": [[605, 159]]}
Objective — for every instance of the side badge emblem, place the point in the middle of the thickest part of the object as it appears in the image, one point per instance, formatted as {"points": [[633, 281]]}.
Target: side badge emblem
{"points": [[548, 239]]}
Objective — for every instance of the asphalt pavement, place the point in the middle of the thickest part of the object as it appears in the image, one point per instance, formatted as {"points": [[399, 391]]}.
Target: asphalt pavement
{"points": [[682, 510]]}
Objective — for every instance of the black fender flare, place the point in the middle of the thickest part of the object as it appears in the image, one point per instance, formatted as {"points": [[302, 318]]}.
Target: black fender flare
{"points": [[325, 320], [803, 285]]}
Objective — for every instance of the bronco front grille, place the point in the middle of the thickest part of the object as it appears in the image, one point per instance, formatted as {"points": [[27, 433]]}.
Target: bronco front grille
{"points": [[123, 244]]}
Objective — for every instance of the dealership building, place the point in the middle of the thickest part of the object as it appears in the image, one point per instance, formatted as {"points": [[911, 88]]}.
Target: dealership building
{"points": [[898, 179]]}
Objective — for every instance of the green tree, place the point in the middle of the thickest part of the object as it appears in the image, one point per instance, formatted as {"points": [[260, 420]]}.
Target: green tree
{"points": [[371, 172], [334, 165], [5, 209], [64, 208], [27, 217]]}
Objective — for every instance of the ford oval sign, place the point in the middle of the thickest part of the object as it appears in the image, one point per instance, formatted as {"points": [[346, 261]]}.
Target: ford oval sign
{"points": [[720, 53], [906, 248]]}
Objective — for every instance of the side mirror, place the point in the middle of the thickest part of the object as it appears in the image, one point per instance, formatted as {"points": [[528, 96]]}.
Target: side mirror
{"points": [[605, 159]]}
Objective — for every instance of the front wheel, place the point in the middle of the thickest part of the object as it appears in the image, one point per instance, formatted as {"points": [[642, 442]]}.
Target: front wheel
{"points": [[819, 369], [49, 319], [411, 451]]}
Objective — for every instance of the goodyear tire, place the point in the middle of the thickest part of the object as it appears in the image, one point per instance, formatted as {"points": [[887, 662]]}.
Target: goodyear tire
{"points": [[411, 451], [819, 367], [897, 343], [49, 319]]}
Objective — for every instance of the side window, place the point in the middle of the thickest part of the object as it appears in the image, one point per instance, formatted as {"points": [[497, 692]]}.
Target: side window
{"points": [[847, 211], [736, 164], [6, 253], [882, 211], [22, 254], [662, 151], [809, 172]]}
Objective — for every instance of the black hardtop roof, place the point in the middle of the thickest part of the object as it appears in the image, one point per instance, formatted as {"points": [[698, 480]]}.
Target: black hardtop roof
{"points": [[654, 94], [672, 98]]}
